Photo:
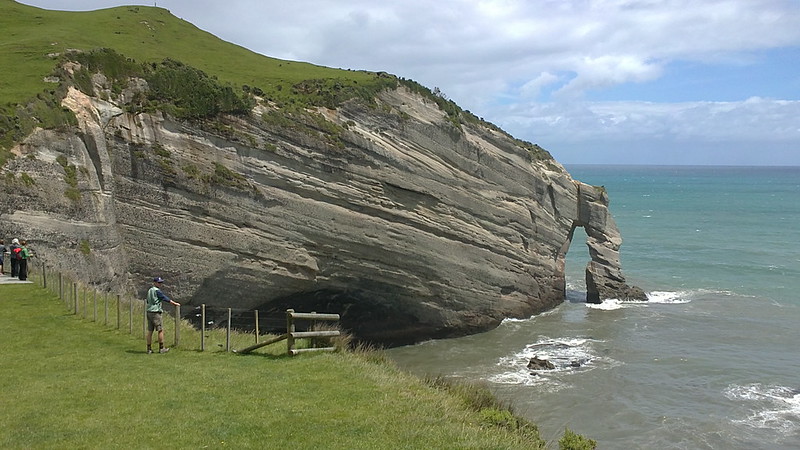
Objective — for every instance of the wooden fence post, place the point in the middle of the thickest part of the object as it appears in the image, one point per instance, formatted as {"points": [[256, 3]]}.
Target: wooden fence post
{"points": [[228, 333], [60, 286], [177, 325], [105, 302], [256, 312], [289, 331], [44, 275], [75, 296], [119, 310], [94, 301], [203, 327], [130, 316]]}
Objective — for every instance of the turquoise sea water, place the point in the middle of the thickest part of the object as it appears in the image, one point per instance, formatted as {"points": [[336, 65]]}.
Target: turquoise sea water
{"points": [[710, 362]]}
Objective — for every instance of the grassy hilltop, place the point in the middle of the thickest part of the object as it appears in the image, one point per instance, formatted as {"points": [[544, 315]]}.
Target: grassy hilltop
{"points": [[147, 34], [33, 43]]}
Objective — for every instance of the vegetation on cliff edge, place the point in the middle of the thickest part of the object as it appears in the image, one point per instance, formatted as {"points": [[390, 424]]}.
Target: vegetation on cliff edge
{"points": [[36, 40]]}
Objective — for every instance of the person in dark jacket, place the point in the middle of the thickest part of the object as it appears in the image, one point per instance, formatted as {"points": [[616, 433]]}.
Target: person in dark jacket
{"points": [[14, 261]]}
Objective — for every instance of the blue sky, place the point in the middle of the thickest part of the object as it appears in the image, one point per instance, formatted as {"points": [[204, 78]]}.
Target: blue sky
{"points": [[592, 81]]}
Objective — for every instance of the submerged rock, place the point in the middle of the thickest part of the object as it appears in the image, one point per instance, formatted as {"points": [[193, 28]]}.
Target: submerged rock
{"points": [[537, 363]]}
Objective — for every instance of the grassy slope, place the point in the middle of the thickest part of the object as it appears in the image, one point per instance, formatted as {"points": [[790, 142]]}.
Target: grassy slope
{"points": [[29, 34], [76, 383]]}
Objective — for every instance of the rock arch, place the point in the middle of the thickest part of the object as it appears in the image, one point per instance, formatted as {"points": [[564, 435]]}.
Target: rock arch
{"points": [[604, 279]]}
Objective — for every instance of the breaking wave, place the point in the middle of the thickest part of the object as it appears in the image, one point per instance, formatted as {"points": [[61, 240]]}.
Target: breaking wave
{"points": [[568, 355], [654, 297], [771, 407]]}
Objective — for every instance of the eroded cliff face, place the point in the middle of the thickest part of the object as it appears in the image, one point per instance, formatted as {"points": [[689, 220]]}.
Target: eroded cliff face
{"points": [[390, 215]]}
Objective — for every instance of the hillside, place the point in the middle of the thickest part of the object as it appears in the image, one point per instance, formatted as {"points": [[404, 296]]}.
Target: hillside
{"points": [[255, 183], [34, 40], [143, 33]]}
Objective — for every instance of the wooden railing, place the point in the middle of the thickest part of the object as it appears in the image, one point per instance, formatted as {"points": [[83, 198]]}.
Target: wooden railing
{"points": [[291, 334]]}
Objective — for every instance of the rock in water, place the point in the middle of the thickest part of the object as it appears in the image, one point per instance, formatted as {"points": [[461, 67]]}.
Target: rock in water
{"points": [[540, 364]]}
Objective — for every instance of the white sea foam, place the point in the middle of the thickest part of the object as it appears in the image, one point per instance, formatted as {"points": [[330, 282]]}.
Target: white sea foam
{"points": [[678, 297], [655, 297], [568, 355], [773, 407], [513, 320], [607, 305]]}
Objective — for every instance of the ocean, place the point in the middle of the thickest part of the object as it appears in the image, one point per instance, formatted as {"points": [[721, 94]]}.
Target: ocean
{"points": [[710, 362]]}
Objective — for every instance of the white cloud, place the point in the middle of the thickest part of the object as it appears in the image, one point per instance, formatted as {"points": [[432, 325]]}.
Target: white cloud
{"points": [[753, 119], [607, 71], [496, 57], [533, 88]]}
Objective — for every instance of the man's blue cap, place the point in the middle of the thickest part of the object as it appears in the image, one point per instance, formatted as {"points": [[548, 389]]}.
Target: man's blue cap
{"points": [[158, 280]]}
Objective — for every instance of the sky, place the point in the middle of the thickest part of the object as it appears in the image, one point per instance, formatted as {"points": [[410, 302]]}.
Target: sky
{"points": [[674, 82]]}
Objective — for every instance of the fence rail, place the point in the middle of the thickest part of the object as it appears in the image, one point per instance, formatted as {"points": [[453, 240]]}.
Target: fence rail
{"points": [[291, 334]]}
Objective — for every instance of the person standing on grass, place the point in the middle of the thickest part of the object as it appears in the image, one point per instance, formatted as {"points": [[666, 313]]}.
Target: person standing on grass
{"points": [[2, 257], [22, 263], [154, 311], [14, 261]]}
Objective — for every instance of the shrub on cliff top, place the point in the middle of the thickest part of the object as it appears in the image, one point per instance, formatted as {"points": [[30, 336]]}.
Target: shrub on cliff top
{"points": [[190, 93]]}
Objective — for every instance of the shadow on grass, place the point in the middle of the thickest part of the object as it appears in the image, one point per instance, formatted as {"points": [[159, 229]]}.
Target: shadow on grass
{"points": [[262, 355]]}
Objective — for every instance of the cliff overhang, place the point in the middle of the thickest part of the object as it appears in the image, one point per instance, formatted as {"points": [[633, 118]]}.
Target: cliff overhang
{"points": [[409, 225]]}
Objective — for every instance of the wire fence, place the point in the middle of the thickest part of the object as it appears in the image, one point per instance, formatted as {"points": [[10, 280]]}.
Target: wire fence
{"points": [[220, 328]]}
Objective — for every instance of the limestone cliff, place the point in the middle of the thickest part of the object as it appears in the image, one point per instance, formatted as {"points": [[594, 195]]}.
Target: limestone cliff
{"points": [[411, 227]]}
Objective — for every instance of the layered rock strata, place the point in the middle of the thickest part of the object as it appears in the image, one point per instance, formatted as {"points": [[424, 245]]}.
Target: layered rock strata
{"points": [[410, 227]]}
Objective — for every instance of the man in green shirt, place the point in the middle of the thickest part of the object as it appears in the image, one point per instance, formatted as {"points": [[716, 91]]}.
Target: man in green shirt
{"points": [[154, 311]]}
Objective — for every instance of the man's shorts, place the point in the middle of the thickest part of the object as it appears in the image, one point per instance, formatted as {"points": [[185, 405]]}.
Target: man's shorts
{"points": [[154, 321]]}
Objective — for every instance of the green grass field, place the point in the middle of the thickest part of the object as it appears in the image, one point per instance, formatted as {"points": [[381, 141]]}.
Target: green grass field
{"points": [[70, 382], [28, 35]]}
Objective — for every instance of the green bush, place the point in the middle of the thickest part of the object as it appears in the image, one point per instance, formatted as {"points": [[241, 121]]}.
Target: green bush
{"points": [[72, 194], [161, 151], [113, 65], [333, 92], [26, 179], [84, 247], [191, 93], [572, 441], [223, 176], [191, 171], [71, 178], [82, 79], [449, 107], [498, 418], [43, 111]]}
